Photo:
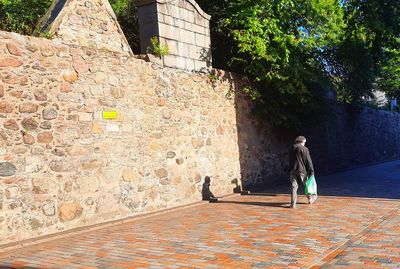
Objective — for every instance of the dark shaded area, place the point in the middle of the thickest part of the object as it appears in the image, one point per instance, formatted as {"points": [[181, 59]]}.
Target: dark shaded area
{"points": [[206, 193], [53, 14], [345, 138], [17, 267], [284, 205], [378, 181]]}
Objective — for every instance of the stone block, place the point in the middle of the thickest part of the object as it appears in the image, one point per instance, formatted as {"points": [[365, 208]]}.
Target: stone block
{"points": [[96, 90], [92, 164], [46, 125], [12, 192], [69, 211], [13, 49], [184, 14], [88, 184], [190, 64], [161, 173], [187, 37], [169, 31], [28, 139], [169, 9], [183, 49], [33, 164], [202, 40], [174, 61], [6, 107], [29, 123], [195, 52], [40, 95], [112, 127], [199, 65], [129, 175], [168, 20], [44, 185], [197, 142], [49, 113], [70, 76], [59, 166], [172, 46], [66, 87], [83, 116], [199, 29], [49, 208], [11, 125], [28, 107], [101, 78], [45, 137], [10, 62], [7, 169], [97, 128]]}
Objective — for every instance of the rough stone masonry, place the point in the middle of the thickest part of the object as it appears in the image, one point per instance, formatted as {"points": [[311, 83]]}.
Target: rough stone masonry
{"points": [[62, 165]]}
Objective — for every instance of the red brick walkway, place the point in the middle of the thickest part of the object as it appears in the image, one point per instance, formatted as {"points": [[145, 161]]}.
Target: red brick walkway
{"points": [[240, 232]]}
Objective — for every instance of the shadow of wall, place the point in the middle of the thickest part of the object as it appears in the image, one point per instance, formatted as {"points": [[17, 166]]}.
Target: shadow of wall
{"points": [[263, 149], [351, 137], [348, 137]]}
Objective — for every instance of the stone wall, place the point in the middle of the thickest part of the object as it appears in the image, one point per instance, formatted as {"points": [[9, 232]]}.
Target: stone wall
{"points": [[182, 26], [345, 138], [91, 24], [350, 137], [62, 165]]}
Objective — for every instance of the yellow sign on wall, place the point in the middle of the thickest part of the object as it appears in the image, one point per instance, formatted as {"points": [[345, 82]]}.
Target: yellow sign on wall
{"points": [[110, 115]]}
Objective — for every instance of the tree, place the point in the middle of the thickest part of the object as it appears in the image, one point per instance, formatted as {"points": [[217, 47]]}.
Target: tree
{"points": [[389, 77], [279, 45], [362, 58], [22, 16], [126, 13]]}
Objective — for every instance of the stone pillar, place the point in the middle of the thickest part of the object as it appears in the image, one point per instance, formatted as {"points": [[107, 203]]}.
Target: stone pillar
{"points": [[182, 26]]}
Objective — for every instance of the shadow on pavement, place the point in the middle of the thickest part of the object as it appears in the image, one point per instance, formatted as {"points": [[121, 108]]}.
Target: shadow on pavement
{"points": [[17, 267], [284, 205], [378, 181]]}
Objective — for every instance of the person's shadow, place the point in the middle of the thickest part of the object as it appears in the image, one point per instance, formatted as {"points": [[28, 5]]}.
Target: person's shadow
{"points": [[16, 267], [273, 204]]}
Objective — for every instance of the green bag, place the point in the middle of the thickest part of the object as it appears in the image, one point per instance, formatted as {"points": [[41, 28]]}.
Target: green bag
{"points": [[311, 186]]}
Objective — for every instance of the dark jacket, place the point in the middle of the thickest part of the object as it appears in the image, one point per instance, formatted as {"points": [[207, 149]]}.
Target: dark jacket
{"points": [[300, 160]]}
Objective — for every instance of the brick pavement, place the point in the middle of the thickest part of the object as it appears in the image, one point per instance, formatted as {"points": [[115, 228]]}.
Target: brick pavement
{"points": [[255, 231]]}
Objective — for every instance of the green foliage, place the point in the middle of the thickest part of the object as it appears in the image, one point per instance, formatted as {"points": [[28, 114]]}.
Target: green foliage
{"points": [[280, 46], [372, 28], [47, 35], [389, 77], [354, 68], [21, 16], [213, 78], [293, 51], [126, 13], [158, 49]]}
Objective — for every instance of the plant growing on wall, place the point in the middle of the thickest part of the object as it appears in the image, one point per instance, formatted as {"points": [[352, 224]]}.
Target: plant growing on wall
{"points": [[47, 35], [157, 49]]}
